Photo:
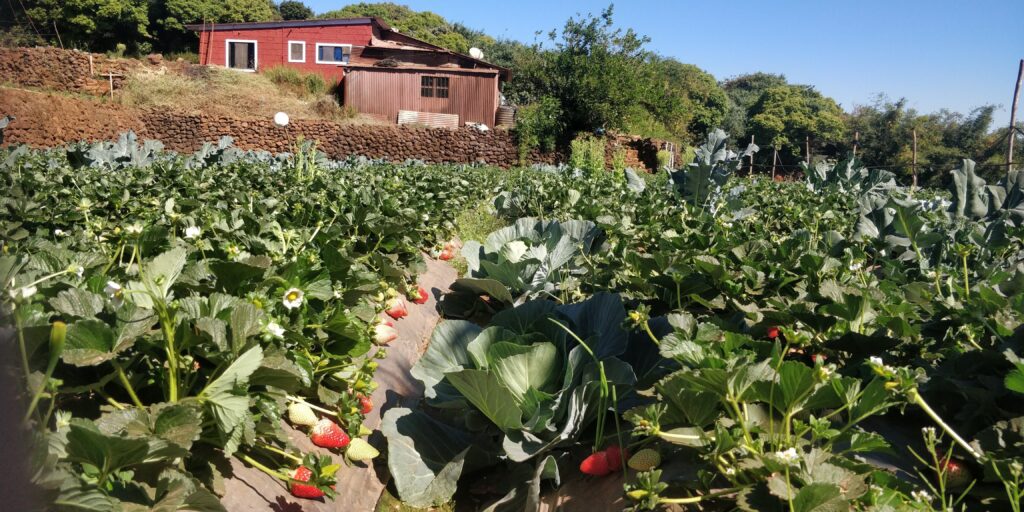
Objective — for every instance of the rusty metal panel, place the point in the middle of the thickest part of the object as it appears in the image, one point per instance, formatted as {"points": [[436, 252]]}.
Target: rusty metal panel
{"points": [[428, 119], [473, 97]]}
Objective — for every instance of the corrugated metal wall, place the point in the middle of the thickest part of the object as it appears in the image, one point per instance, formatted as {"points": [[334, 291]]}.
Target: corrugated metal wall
{"points": [[385, 91]]}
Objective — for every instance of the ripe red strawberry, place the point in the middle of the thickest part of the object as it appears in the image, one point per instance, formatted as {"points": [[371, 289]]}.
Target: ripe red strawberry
{"points": [[614, 454], [396, 308], [421, 296], [302, 474], [448, 252], [773, 332], [595, 465], [327, 434], [958, 476], [365, 404]]}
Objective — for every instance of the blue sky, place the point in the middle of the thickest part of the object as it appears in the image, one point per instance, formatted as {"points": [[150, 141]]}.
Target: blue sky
{"points": [[936, 53]]}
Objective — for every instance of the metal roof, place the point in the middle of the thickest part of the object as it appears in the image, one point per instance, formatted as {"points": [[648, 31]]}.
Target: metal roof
{"points": [[198, 27]]}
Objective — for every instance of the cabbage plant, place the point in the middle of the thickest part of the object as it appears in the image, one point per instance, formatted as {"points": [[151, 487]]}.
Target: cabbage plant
{"points": [[513, 392], [528, 260]]}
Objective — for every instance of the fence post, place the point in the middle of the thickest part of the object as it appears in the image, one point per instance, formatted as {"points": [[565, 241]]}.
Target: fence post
{"points": [[807, 149], [775, 158], [856, 142]]}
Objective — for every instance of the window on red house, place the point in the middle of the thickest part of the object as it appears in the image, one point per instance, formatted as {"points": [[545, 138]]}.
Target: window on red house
{"points": [[434, 87]]}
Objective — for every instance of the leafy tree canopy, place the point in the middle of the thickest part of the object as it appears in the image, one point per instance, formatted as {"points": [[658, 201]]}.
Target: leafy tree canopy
{"points": [[785, 115], [294, 10], [424, 25]]}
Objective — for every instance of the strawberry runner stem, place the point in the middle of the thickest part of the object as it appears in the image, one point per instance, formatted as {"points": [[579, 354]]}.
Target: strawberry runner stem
{"points": [[916, 398], [279, 452], [698, 499], [311, 406], [265, 469]]}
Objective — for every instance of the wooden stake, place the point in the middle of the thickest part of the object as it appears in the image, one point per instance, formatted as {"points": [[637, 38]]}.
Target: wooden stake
{"points": [[111, 76], [55, 31], [1013, 116], [807, 149], [92, 71], [856, 141], [913, 165]]}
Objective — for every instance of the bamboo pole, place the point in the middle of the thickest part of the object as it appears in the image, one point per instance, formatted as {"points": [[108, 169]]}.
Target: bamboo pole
{"points": [[1013, 116], [751, 157], [775, 158], [913, 165]]}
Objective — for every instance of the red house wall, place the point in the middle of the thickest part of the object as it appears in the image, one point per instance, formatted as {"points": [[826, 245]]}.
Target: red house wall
{"points": [[272, 46]]}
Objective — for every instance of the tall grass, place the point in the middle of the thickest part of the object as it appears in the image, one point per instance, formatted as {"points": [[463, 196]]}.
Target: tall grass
{"points": [[303, 85]]}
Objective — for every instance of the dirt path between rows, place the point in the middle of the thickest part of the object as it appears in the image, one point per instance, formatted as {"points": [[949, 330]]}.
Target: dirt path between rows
{"points": [[359, 487]]}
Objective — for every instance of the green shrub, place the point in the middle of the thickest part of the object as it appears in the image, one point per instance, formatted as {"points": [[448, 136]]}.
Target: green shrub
{"points": [[301, 84], [587, 153], [538, 126], [619, 159], [664, 157]]}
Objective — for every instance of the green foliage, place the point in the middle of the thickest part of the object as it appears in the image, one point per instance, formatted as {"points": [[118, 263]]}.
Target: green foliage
{"points": [[699, 105], [538, 126], [943, 138], [169, 17], [302, 84], [619, 160], [423, 25], [294, 10], [784, 115], [743, 92], [95, 24], [587, 152]]}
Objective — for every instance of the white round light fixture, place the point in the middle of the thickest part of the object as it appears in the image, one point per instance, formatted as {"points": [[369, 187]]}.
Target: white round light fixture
{"points": [[281, 119]]}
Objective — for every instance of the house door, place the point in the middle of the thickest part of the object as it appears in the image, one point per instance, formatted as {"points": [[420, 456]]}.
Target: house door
{"points": [[241, 55]]}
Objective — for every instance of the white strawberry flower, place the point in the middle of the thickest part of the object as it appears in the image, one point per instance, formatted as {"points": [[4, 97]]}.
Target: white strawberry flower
{"points": [[114, 292], [275, 329], [192, 232], [921, 496], [788, 456], [876, 361], [292, 298], [23, 293], [58, 232], [133, 229]]}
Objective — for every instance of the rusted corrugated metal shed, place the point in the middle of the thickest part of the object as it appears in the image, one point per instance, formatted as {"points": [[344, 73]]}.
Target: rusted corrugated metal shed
{"points": [[472, 94]]}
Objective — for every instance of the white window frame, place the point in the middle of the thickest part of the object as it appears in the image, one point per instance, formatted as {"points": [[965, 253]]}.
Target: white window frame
{"points": [[317, 55], [255, 54], [290, 43]]}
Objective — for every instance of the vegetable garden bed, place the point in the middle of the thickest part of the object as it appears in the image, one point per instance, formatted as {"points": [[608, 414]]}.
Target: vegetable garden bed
{"points": [[699, 342]]}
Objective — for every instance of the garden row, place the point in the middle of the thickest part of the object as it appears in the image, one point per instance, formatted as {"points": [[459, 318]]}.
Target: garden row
{"points": [[840, 343]]}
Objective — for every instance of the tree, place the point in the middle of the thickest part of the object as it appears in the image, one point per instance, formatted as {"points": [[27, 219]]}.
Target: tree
{"points": [[702, 104], [743, 92], [423, 25], [294, 10], [96, 25], [786, 114], [169, 17]]}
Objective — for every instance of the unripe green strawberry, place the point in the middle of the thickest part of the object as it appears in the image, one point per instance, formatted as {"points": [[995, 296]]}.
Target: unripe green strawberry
{"points": [[301, 414], [645, 460], [360, 450]]}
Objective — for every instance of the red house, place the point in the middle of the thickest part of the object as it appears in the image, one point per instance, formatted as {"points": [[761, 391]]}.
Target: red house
{"points": [[381, 72]]}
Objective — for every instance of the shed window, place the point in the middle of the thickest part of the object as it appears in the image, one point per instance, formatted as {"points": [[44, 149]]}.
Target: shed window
{"points": [[434, 87], [241, 55], [296, 51], [329, 53]]}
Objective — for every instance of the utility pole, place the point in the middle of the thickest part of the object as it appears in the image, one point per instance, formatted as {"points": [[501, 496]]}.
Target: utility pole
{"points": [[1013, 116]]}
